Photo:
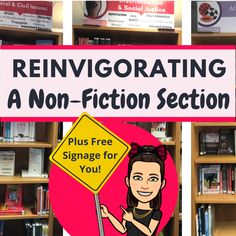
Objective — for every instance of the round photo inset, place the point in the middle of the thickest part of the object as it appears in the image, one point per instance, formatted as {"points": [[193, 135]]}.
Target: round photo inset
{"points": [[95, 9], [209, 13]]}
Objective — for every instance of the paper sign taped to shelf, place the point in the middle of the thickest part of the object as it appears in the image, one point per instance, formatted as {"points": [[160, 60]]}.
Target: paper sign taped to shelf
{"points": [[216, 16], [26, 14], [90, 153], [130, 14]]}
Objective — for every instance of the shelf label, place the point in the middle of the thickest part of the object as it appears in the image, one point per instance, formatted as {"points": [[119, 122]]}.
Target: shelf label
{"points": [[90, 153], [130, 14]]}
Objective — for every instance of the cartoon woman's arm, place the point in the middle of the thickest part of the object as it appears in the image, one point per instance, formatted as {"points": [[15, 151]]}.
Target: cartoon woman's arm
{"points": [[128, 216], [115, 222]]}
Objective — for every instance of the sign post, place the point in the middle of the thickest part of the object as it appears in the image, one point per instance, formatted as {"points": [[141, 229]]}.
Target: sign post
{"points": [[90, 153], [99, 215]]}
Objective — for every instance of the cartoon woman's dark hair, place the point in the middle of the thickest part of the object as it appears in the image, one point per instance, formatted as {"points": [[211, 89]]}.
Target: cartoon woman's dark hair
{"points": [[146, 153]]}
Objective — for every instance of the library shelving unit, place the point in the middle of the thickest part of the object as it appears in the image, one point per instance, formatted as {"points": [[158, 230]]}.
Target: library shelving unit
{"points": [[173, 228], [46, 137], [28, 36], [225, 204], [128, 36]]}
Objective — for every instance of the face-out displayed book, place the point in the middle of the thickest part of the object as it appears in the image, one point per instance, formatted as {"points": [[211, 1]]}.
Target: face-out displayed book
{"points": [[7, 163], [13, 200], [36, 164], [210, 179], [216, 179]]}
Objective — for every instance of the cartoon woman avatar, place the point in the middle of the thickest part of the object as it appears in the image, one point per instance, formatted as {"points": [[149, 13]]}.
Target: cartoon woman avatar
{"points": [[145, 180]]}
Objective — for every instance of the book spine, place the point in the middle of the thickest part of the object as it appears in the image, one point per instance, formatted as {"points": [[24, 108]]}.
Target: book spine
{"points": [[206, 223], [200, 180], [197, 225], [1, 227], [224, 179], [202, 212], [202, 147], [209, 220]]}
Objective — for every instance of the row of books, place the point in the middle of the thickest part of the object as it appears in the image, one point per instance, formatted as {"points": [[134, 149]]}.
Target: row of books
{"points": [[42, 204], [35, 163], [36, 227], [205, 219], [221, 142], [93, 41], [160, 131], [17, 131], [216, 179], [36, 42], [14, 200]]}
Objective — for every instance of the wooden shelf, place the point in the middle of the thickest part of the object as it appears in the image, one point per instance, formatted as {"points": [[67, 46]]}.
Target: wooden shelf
{"points": [[216, 159], [215, 124], [27, 215], [225, 228], [28, 35], [214, 38], [216, 198], [170, 143], [20, 180], [128, 35], [25, 145]]}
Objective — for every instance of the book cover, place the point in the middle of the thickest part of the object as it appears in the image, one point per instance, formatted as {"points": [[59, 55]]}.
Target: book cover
{"points": [[13, 196], [211, 179], [20, 131], [36, 161], [226, 145], [7, 163], [212, 143]]}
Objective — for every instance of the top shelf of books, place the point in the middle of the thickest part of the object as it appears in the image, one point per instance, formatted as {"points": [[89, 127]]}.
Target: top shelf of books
{"points": [[128, 36]]}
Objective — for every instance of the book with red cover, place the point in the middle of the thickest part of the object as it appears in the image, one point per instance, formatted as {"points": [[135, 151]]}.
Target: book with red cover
{"points": [[13, 197], [4, 210]]}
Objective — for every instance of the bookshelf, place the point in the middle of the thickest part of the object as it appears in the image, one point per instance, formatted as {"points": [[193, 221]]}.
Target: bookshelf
{"points": [[46, 137], [28, 36], [223, 203], [128, 36], [174, 148]]}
